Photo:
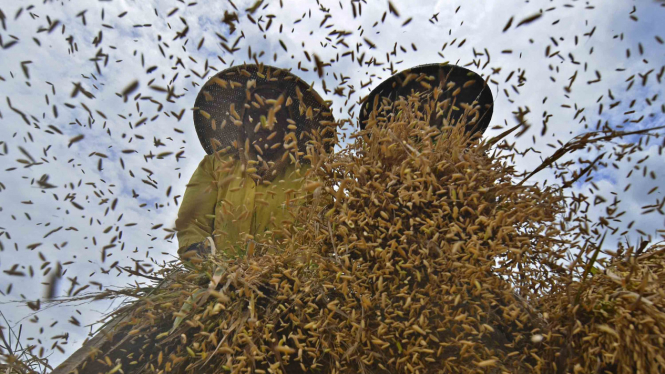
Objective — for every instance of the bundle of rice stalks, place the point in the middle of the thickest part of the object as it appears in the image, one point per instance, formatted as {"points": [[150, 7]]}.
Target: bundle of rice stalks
{"points": [[420, 254], [615, 321]]}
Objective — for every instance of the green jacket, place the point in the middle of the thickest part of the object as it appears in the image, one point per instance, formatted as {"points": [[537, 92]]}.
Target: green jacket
{"points": [[223, 202]]}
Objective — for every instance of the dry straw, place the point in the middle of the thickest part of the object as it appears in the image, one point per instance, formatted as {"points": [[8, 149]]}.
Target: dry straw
{"points": [[418, 254]]}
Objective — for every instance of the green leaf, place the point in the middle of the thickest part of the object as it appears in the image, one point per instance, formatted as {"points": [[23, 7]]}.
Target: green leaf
{"points": [[589, 268], [187, 307], [216, 277]]}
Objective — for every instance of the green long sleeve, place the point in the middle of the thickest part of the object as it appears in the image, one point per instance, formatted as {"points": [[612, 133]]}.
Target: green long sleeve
{"points": [[196, 214]]}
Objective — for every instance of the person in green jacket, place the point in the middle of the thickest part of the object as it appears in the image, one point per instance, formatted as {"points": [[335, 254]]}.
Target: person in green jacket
{"points": [[255, 123]]}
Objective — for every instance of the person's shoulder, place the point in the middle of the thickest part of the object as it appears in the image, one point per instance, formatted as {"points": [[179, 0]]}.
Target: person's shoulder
{"points": [[207, 160], [214, 161]]}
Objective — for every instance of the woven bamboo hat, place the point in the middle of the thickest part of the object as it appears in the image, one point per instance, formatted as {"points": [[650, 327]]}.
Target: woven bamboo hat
{"points": [[464, 96], [252, 101]]}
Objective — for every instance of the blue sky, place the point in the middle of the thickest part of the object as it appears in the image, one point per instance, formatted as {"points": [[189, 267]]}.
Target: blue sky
{"points": [[480, 23]]}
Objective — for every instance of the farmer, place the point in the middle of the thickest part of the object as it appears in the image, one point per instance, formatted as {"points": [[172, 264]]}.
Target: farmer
{"points": [[463, 96], [254, 122]]}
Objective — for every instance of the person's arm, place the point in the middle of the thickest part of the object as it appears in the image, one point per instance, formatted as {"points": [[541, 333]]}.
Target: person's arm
{"points": [[196, 213]]}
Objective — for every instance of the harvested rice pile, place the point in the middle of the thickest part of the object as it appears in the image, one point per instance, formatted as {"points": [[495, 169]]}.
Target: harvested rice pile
{"points": [[613, 322], [428, 258]]}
